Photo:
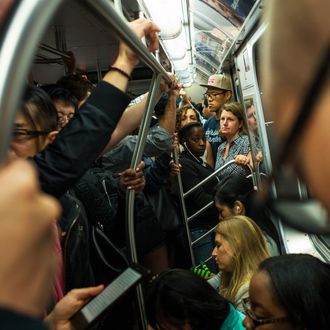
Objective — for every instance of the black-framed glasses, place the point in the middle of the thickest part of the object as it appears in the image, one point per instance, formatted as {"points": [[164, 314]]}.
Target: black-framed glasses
{"points": [[284, 207], [261, 321], [213, 95], [21, 134]]}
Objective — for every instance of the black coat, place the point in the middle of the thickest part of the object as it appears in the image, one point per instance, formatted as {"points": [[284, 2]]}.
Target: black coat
{"points": [[192, 172], [81, 141], [10, 320]]}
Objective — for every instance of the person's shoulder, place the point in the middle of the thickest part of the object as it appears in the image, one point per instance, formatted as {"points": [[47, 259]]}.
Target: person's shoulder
{"points": [[234, 320]]}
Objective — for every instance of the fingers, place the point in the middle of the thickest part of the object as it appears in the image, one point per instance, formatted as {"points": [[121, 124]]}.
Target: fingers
{"points": [[242, 160], [148, 29], [86, 293], [133, 180]]}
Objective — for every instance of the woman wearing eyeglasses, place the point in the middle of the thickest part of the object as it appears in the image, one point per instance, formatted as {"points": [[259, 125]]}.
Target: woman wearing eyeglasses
{"points": [[236, 145], [290, 292], [239, 249], [179, 300]]}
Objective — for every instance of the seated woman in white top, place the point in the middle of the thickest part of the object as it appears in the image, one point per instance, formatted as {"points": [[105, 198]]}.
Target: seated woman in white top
{"points": [[239, 248]]}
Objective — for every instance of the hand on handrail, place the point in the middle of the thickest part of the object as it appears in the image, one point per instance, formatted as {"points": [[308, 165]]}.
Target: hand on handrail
{"points": [[142, 28]]}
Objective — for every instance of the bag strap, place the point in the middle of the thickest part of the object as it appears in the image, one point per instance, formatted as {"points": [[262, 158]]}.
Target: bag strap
{"points": [[99, 232]]}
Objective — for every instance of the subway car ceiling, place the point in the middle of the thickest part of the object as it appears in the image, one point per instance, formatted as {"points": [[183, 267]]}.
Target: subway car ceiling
{"points": [[197, 37]]}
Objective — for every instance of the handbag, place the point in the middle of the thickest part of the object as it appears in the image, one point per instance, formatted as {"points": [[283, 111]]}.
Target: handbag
{"points": [[165, 208]]}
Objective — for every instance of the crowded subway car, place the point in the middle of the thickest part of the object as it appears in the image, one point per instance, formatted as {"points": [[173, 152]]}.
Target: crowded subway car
{"points": [[168, 160]]}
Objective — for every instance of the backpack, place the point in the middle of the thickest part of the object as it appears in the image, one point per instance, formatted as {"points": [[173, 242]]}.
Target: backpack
{"points": [[98, 192], [75, 244]]}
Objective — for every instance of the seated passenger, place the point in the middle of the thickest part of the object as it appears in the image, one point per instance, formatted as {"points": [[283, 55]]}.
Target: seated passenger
{"points": [[236, 145], [178, 299], [234, 197], [193, 171], [239, 248], [290, 292]]}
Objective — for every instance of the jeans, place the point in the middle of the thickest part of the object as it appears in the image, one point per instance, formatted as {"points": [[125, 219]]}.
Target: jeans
{"points": [[203, 249]]}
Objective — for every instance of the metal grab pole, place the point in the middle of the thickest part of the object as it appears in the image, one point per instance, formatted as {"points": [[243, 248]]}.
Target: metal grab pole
{"points": [[136, 158], [184, 210]]}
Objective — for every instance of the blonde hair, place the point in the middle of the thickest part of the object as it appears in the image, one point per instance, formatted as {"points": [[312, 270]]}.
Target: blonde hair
{"points": [[248, 245], [237, 110]]}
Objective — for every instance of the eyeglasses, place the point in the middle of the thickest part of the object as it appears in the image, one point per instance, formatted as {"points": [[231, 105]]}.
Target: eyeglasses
{"points": [[24, 134], [260, 321], [283, 208], [213, 95]]}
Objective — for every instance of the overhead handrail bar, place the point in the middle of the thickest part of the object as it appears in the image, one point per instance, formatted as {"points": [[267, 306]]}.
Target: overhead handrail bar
{"points": [[22, 36], [123, 31]]}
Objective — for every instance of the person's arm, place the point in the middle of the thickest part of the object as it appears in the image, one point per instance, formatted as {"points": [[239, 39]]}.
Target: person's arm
{"points": [[86, 135], [157, 172], [168, 119], [132, 116], [26, 245], [209, 154]]}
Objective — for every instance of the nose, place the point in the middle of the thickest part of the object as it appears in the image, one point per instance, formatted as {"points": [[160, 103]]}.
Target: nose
{"points": [[214, 252], [248, 323]]}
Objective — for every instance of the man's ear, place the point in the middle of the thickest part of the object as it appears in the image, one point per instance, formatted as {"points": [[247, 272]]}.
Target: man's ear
{"points": [[51, 136], [228, 95]]}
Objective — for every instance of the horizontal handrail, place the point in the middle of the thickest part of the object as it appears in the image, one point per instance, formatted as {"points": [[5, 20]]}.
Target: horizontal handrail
{"points": [[123, 31], [215, 173]]}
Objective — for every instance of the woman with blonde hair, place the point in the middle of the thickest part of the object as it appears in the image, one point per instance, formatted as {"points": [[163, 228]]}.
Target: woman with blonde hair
{"points": [[239, 249]]}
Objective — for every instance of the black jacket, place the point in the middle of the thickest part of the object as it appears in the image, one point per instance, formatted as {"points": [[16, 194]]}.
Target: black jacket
{"points": [[10, 320], [80, 142], [192, 172]]}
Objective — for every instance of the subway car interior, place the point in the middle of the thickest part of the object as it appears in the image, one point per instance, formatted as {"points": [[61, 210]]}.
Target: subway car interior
{"points": [[42, 41]]}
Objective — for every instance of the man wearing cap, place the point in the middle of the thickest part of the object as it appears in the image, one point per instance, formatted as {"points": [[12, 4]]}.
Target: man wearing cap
{"points": [[219, 91]]}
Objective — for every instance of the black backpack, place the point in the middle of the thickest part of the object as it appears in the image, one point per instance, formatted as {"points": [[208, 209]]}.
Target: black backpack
{"points": [[98, 190], [75, 244]]}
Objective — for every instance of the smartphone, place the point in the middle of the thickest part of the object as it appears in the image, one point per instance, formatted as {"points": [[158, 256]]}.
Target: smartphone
{"points": [[115, 290]]}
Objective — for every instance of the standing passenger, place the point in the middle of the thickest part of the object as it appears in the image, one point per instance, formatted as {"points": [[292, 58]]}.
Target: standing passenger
{"points": [[236, 145], [219, 92]]}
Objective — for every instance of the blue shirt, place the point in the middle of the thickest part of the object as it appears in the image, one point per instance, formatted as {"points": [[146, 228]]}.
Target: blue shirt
{"points": [[239, 146]]}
